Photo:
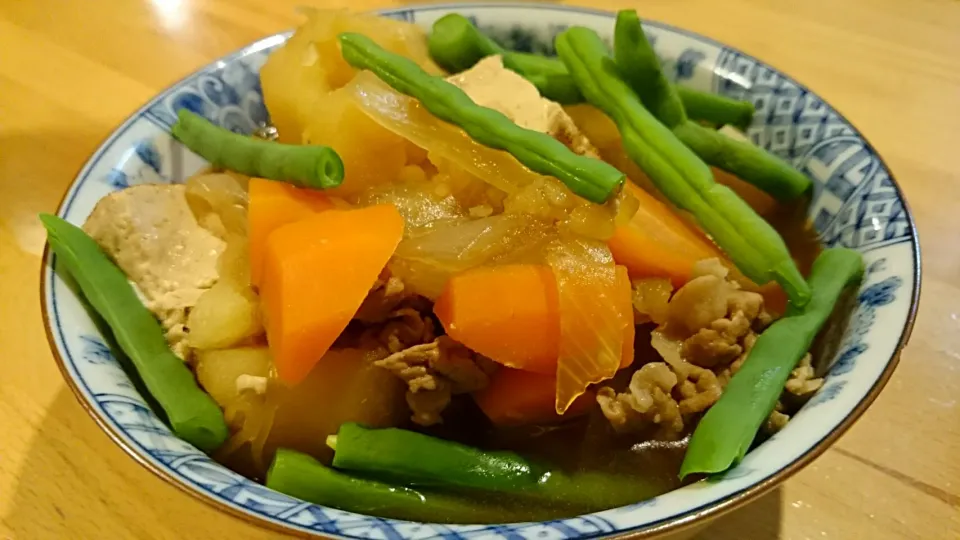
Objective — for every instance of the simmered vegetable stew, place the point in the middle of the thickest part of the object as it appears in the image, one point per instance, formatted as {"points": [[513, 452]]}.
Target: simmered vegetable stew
{"points": [[468, 284]]}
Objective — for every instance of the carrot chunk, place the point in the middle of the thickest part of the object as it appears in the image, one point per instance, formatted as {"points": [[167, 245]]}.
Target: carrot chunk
{"points": [[515, 397], [316, 273], [507, 313], [658, 243], [273, 204]]}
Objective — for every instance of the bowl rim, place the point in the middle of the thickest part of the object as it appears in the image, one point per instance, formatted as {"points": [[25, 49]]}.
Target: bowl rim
{"points": [[677, 523]]}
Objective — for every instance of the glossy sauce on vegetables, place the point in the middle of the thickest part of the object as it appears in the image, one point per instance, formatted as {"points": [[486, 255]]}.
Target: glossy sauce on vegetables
{"points": [[628, 468], [465, 205], [632, 467]]}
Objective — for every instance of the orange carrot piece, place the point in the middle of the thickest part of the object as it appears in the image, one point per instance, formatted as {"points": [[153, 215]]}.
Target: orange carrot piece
{"points": [[316, 273], [515, 397], [625, 304], [507, 313], [273, 204], [658, 243]]}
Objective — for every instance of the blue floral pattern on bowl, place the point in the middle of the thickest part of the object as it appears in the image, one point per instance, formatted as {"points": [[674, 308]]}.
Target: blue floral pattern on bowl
{"points": [[855, 203]]}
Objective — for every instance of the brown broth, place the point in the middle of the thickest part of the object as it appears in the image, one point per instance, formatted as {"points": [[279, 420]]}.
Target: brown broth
{"points": [[789, 219], [585, 446]]}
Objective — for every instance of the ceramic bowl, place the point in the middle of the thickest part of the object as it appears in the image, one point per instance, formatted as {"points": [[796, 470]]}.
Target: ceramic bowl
{"points": [[856, 203]]}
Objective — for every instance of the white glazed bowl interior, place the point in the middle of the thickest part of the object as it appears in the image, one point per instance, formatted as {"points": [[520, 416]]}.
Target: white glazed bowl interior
{"points": [[856, 204]]}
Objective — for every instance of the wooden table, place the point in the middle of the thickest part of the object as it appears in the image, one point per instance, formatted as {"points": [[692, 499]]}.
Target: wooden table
{"points": [[72, 71]]}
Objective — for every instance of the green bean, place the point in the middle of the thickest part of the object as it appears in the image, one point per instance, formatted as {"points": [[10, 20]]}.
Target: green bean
{"points": [[416, 459], [299, 475], [317, 167], [752, 244], [549, 75], [727, 430], [192, 414], [589, 178], [590, 491], [748, 162], [715, 109], [639, 67], [456, 45]]}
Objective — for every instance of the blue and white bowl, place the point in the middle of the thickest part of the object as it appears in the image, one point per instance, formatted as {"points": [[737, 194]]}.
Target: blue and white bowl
{"points": [[856, 204]]}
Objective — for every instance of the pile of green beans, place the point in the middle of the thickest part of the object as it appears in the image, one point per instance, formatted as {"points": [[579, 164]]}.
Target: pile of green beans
{"points": [[317, 167], [193, 415], [456, 45], [751, 243], [589, 178], [640, 68], [728, 429]]}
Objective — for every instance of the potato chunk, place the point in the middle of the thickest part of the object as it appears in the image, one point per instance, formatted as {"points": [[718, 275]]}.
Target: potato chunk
{"points": [[298, 76], [224, 316], [218, 371]]}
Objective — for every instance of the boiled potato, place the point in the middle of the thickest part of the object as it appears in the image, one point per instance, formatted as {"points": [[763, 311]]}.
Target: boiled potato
{"points": [[339, 123], [293, 81], [595, 124], [298, 76], [217, 371], [223, 195], [224, 316], [344, 386]]}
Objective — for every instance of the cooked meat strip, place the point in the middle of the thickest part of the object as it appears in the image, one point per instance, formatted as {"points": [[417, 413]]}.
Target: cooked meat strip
{"points": [[386, 295], [803, 381], [442, 367], [777, 419], [412, 365], [799, 388], [426, 407], [713, 316], [699, 390], [650, 298], [724, 374], [706, 331], [719, 343], [647, 401], [407, 327]]}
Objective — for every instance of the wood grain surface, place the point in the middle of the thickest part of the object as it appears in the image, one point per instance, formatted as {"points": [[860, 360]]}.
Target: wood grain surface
{"points": [[72, 71]]}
